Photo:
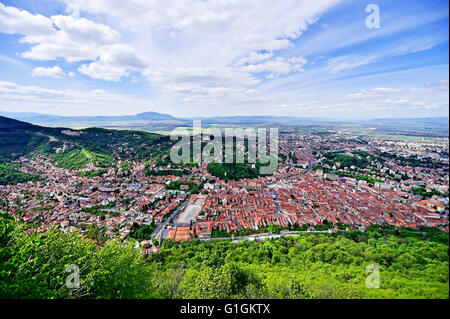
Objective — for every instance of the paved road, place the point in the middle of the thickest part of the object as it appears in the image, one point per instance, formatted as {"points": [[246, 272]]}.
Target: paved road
{"points": [[159, 229], [265, 236]]}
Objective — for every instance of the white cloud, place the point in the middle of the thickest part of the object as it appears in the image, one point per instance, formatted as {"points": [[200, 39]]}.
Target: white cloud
{"points": [[73, 39], [375, 92], [441, 85], [183, 42], [255, 57], [398, 99], [20, 98], [229, 52], [15, 21], [186, 81], [54, 72], [345, 62], [13, 88], [180, 38], [278, 66], [117, 60]]}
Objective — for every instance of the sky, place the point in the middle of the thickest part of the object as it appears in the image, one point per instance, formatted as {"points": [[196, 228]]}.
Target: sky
{"points": [[307, 58]]}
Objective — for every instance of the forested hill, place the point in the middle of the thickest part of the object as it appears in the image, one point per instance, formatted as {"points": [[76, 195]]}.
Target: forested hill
{"points": [[412, 264], [74, 148]]}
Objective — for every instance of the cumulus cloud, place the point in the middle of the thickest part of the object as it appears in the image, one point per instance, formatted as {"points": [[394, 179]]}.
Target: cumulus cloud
{"points": [[54, 72], [252, 23], [117, 60], [226, 52], [15, 21], [73, 39], [278, 66], [168, 40], [383, 101], [68, 38], [218, 36], [18, 98], [255, 57]]}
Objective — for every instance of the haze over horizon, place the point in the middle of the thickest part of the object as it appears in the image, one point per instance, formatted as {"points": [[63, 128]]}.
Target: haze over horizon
{"points": [[228, 58], [15, 115]]}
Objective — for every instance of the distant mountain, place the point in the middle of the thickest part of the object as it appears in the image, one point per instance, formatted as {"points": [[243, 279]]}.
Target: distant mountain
{"points": [[52, 120], [12, 124], [158, 122], [421, 120], [264, 119], [154, 116], [412, 126], [249, 119], [49, 119]]}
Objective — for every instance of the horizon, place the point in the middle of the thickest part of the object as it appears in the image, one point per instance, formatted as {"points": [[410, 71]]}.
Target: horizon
{"points": [[200, 59], [2, 113]]}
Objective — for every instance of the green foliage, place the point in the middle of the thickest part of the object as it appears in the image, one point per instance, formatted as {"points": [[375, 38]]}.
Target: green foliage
{"points": [[100, 210], [20, 138], [120, 271], [33, 265], [421, 191], [211, 283], [282, 157], [414, 161], [324, 226], [345, 160], [293, 158], [9, 174], [217, 233], [78, 158], [143, 232], [14, 144], [92, 173], [176, 185], [233, 171], [412, 263], [368, 179]]}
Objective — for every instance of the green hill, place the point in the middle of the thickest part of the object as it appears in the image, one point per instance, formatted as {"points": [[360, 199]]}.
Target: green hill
{"points": [[10, 174], [77, 148]]}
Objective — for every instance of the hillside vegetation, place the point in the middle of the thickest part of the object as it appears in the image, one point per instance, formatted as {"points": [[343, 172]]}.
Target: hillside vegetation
{"points": [[307, 266], [10, 174], [75, 149]]}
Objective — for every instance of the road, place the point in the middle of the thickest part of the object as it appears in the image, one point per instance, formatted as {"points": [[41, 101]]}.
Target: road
{"points": [[160, 228], [267, 235]]}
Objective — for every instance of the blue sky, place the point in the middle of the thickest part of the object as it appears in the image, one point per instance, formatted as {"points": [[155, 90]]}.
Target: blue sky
{"points": [[202, 58]]}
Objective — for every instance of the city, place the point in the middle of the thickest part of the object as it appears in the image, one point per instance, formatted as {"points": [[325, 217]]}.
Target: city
{"points": [[312, 190], [224, 158]]}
